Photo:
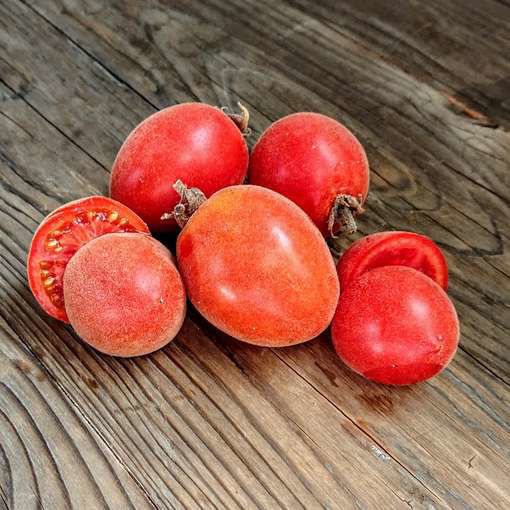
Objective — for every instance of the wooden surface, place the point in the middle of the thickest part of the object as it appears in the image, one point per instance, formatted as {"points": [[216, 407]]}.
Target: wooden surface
{"points": [[209, 422]]}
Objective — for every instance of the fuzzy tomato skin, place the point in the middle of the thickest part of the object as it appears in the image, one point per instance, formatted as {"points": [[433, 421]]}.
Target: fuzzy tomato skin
{"points": [[393, 249], [394, 325], [255, 266], [310, 158], [194, 142], [124, 295]]}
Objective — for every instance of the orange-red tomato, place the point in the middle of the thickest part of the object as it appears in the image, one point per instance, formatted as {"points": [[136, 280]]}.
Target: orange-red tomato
{"points": [[256, 267], [124, 295]]}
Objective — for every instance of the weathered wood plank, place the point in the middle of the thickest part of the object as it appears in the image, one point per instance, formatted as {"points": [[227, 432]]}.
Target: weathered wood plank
{"points": [[49, 457], [265, 428]]}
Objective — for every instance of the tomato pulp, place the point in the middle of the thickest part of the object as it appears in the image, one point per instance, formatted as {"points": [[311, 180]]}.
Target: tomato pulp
{"points": [[312, 159], [196, 143], [124, 295], [256, 267], [395, 325], [393, 249], [61, 234]]}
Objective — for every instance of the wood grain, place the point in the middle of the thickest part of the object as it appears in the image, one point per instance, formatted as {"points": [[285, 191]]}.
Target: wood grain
{"points": [[208, 422]]}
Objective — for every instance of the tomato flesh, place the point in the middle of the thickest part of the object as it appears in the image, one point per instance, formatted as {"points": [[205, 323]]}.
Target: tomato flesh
{"points": [[59, 237], [394, 325], [393, 249]]}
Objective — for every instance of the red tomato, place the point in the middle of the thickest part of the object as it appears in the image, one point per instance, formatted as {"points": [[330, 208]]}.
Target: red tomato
{"points": [[60, 235], [256, 267], [312, 159], [124, 295], [194, 142], [394, 325], [393, 249]]}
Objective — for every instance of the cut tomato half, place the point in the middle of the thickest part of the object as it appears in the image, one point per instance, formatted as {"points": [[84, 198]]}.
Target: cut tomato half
{"points": [[59, 237], [393, 249]]}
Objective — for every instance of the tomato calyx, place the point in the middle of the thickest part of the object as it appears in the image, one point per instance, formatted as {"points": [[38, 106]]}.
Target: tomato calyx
{"points": [[240, 119], [190, 200], [341, 217]]}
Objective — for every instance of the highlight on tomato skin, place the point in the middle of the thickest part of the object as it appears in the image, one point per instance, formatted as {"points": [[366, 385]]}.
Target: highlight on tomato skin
{"points": [[394, 325], [316, 162], [124, 295], [257, 268], [393, 248], [194, 142], [61, 233]]}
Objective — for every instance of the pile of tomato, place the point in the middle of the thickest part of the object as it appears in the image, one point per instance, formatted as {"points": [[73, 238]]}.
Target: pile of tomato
{"points": [[251, 257]]}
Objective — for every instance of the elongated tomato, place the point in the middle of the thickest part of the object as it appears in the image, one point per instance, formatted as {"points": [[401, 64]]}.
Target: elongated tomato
{"points": [[257, 268]]}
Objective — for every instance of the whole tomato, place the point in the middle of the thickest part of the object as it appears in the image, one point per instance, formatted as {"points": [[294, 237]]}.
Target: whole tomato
{"points": [[394, 325], [317, 163], [194, 142], [393, 249], [256, 267], [124, 295]]}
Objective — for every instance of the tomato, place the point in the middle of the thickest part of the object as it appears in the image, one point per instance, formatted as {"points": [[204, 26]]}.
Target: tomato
{"points": [[394, 325], [393, 249], [256, 267], [317, 163], [124, 295], [60, 235], [196, 143]]}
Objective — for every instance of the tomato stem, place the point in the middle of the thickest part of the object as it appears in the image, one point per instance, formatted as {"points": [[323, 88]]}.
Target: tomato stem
{"points": [[240, 119], [191, 200], [345, 207]]}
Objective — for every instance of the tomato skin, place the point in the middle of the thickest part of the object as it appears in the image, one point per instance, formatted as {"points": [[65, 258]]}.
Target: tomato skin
{"points": [[75, 228], [255, 266], [310, 158], [394, 325], [124, 295], [393, 249], [194, 142]]}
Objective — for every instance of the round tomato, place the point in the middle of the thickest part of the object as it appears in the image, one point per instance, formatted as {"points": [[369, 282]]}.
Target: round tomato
{"points": [[60, 235], [124, 295], [394, 325], [196, 143], [256, 267], [317, 163], [393, 249]]}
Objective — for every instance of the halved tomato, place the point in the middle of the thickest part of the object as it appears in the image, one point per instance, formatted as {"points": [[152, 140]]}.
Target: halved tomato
{"points": [[61, 234], [393, 249]]}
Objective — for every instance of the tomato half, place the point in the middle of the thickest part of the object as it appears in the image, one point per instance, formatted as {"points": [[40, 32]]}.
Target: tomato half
{"points": [[393, 249], [61, 234]]}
